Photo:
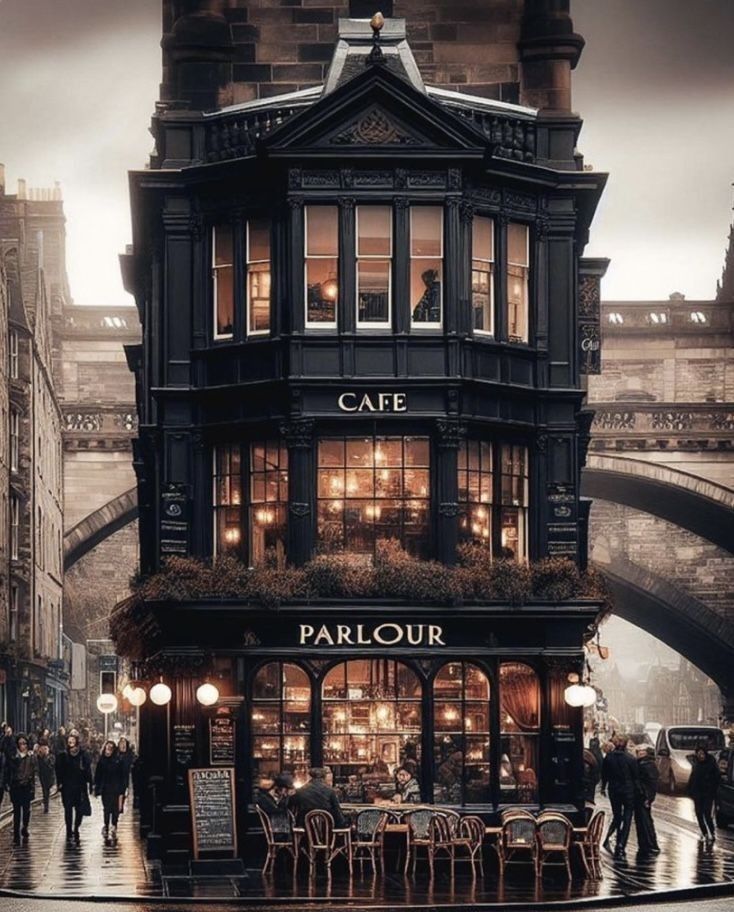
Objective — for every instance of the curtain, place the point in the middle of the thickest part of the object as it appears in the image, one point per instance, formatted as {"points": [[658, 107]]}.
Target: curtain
{"points": [[520, 695]]}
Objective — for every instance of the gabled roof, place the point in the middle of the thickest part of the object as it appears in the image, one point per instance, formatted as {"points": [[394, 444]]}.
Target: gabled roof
{"points": [[376, 111]]}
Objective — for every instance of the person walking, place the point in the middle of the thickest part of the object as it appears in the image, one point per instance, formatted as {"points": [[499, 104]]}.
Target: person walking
{"points": [[647, 789], [109, 785], [73, 776], [3, 774], [620, 775], [46, 764], [702, 786], [127, 761], [22, 787], [59, 741]]}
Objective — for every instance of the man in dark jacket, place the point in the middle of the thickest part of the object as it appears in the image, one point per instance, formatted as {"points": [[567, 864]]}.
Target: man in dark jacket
{"points": [[702, 786], [316, 795], [619, 773], [647, 789], [46, 772], [22, 787], [73, 775]]}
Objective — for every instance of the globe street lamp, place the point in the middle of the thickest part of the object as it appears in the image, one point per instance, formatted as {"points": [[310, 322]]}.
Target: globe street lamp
{"points": [[207, 694]]}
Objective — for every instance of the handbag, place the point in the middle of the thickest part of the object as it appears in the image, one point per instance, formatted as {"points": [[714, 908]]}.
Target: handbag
{"points": [[85, 805]]}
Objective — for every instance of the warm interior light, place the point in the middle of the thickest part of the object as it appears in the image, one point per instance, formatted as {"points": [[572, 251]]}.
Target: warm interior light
{"points": [[207, 694], [232, 535], [330, 289], [137, 696], [264, 517], [160, 694]]}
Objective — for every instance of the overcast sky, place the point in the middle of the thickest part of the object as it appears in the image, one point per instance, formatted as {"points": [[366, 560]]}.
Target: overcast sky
{"points": [[78, 80]]}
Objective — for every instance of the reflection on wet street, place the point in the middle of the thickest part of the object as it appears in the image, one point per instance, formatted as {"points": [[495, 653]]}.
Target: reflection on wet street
{"points": [[47, 865]]}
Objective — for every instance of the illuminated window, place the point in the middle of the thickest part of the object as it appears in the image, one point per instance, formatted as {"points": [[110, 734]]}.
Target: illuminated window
{"points": [[518, 277], [280, 721], [371, 489], [475, 492], [426, 266], [228, 537], [514, 507], [374, 266], [258, 277], [322, 265], [268, 502], [223, 280], [372, 726], [461, 730], [482, 275], [520, 729]]}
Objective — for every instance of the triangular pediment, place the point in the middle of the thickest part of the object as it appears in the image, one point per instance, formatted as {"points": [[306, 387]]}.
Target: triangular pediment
{"points": [[377, 110]]}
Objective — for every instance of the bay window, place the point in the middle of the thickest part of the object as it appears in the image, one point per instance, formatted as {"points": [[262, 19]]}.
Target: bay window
{"points": [[258, 276], [371, 726], [228, 536], [475, 492], [426, 266], [482, 275], [518, 281], [514, 502], [321, 265], [461, 773], [520, 731], [223, 280], [371, 489], [374, 266], [280, 721]]}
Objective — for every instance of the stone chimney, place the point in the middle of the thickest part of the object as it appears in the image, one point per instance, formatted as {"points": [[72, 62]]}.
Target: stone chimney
{"points": [[222, 52]]}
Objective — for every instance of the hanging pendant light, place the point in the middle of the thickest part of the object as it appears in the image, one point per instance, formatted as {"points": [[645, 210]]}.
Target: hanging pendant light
{"points": [[207, 694], [160, 693]]}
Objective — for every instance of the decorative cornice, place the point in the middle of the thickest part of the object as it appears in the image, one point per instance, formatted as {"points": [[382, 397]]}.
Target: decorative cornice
{"points": [[298, 434]]}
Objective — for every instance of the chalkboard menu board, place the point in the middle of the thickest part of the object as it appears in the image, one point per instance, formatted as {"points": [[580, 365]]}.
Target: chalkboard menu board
{"points": [[184, 749], [221, 740], [213, 816]]}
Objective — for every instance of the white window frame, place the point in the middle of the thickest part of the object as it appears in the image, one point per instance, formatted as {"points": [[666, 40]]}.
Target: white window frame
{"points": [[14, 352], [319, 324], [492, 263], [215, 292], [14, 440], [419, 326], [386, 324], [14, 611], [14, 526], [526, 266], [248, 263]]}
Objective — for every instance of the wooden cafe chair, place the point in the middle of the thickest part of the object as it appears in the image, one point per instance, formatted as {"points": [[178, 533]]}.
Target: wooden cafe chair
{"points": [[555, 833], [322, 837], [368, 837], [277, 840]]}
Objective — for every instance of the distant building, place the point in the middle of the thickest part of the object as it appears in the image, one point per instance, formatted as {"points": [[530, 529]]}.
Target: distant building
{"points": [[33, 670]]}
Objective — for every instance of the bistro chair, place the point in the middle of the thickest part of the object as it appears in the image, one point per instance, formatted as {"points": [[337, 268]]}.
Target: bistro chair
{"points": [[471, 838], [517, 839], [278, 840], [453, 818], [367, 842], [323, 836], [589, 846], [429, 830], [555, 833]]}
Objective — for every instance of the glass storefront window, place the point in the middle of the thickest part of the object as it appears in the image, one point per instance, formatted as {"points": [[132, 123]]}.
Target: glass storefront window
{"points": [[258, 277], [514, 507], [322, 265], [461, 729], [280, 721], [482, 275], [371, 489], [518, 281], [475, 492], [228, 538], [371, 726], [426, 266], [223, 280], [520, 730], [268, 502], [374, 266]]}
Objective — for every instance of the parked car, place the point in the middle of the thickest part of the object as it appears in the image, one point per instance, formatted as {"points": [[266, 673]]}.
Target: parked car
{"points": [[636, 740], [725, 792], [674, 748]]}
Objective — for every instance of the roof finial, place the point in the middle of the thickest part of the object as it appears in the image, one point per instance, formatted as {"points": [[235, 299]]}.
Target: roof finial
{"points": [[376, 57]]}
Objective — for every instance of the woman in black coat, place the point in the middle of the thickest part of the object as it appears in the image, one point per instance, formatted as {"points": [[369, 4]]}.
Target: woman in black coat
{"points": [[73, 776], [127, 759], [702, 786], [109, 785], [647, 789]]}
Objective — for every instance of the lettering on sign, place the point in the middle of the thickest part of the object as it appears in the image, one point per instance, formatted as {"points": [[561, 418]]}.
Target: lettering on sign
{"points": [[213, 815], [388, 634], [373, 402]]}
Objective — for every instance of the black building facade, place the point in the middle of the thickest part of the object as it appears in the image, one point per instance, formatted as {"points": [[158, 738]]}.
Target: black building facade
{"points": [[365, 320]]}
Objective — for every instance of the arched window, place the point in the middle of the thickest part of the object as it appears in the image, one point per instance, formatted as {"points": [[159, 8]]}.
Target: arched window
{"points": [[520, 728], [461, 725], [281, 722], [371, 725]]}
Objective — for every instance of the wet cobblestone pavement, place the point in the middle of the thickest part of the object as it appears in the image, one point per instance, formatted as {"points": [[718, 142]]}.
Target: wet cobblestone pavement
{"points": [[46, 865]]}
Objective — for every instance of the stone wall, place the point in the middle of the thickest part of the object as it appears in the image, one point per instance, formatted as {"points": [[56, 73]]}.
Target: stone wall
{"points": [[694, 565]]}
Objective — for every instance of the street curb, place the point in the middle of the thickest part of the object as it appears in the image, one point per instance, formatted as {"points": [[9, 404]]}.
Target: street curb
{"points": [[344, 904]]}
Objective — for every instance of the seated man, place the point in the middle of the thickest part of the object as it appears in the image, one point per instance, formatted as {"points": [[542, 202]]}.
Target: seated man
{"points": [[274, 802], [316, 795], [408, 790]]}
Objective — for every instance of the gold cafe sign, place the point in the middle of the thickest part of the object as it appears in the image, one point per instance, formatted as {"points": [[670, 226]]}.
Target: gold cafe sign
{"points": [[387, 634]]}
